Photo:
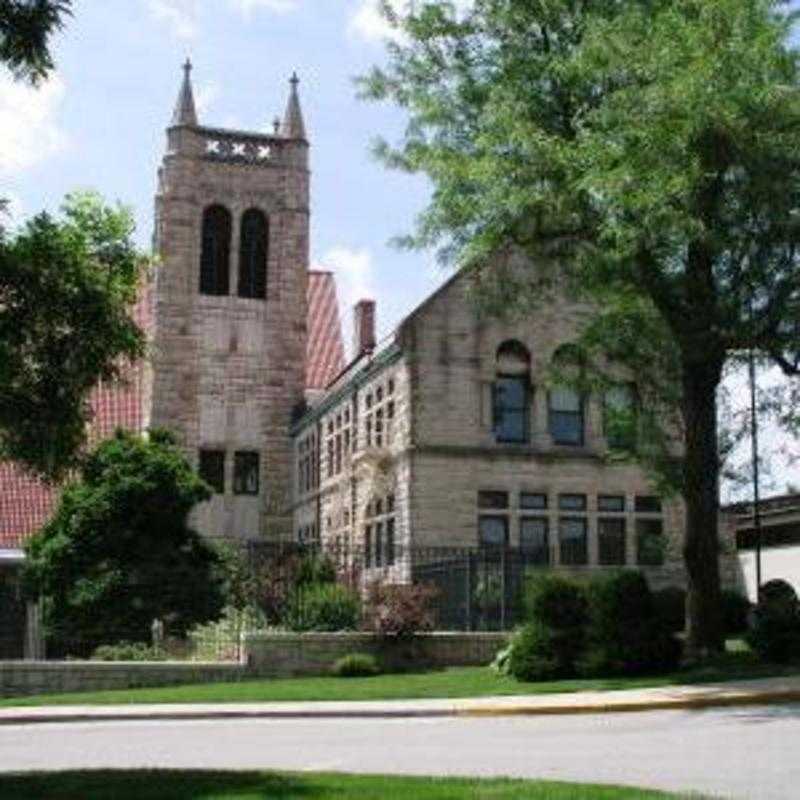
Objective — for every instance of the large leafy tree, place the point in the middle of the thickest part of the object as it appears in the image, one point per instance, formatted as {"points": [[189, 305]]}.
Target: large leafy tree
{"points": [[119, 553], [67, 286], [649, 151], [26, 27]]}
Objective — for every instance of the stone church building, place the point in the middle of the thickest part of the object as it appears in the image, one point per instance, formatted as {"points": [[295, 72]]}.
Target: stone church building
{"points": [[442, 435]]}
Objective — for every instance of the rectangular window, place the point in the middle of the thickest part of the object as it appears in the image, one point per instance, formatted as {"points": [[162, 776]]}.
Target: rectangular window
{"points": [[614, 503], [572, 539], [572, 502], [379, 545], [368, 546], [566, 417], [534, 539], [212, 469], [647, 504], [338, 453], [330, 458], [532, 500], [245, 473], [650, 542], [379, 428], [493, 531], [492, 499], [611, 540], [390, 542], [510, 410]]}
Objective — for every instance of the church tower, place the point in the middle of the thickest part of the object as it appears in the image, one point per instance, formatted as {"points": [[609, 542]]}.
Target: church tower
{"points": [[229, 346]]}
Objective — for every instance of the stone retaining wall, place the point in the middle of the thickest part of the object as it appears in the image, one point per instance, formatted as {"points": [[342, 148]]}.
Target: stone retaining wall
{"points": [[22, 678], [273, 655], [289, 654]]}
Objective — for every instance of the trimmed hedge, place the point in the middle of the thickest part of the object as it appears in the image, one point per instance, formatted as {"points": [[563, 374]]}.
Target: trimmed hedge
{"points": [[775, 630], [611, 626], [627, 635], [551, 644], [356, 665]]}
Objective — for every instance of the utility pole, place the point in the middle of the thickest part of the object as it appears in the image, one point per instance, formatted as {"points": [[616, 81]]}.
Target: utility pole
{"points": [[756, 493]]}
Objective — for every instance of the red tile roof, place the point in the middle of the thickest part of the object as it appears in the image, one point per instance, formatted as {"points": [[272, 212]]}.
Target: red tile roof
{"points": [[26, 503], [325, 350]]}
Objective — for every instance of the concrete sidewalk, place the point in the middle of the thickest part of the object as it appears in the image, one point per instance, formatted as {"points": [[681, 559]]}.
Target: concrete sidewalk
{"points": [[739, 693]]}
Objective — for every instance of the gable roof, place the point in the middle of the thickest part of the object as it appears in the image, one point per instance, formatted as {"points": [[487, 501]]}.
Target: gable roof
{"points": [[324, 349]]}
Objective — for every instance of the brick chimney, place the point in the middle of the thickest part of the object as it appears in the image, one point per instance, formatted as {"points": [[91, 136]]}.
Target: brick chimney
{"points": [[363, 328]]}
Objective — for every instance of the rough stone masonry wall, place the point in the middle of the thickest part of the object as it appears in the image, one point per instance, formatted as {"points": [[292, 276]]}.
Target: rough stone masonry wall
{"points": [[228, 371], [28, 678], [451, 354], [285, 655], [265, 655]]}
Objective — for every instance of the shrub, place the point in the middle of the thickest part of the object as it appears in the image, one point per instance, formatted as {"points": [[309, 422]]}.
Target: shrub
{"points": [[550, 645], [626, 634], [220, 640], [399, 609], [356, 665], [775, 630], [536, 654], [323, 607], [670, 606], [736, 611], [556, 601], [128, 651]]}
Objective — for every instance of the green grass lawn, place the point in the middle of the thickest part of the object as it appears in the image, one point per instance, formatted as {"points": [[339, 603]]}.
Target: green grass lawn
{"points": [[174, 785], [447, 683]]}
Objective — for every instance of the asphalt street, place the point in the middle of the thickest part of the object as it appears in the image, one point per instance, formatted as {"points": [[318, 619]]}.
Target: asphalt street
{"points": [[741, 753]]}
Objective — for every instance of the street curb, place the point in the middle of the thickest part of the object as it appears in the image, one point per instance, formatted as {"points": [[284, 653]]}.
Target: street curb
{"points": [[664, 704]]}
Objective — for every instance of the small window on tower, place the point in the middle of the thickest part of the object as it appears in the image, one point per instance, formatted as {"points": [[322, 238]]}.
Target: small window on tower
{"points": [[212, 469], [245, 473]]}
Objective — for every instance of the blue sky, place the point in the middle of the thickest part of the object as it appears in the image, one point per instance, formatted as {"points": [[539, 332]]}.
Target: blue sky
{"points": [[100, 122]]}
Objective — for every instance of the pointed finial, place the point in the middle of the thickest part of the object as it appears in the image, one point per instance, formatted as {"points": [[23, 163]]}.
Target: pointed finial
{"points": [[276, 125], [185, 113], [293, 125]]}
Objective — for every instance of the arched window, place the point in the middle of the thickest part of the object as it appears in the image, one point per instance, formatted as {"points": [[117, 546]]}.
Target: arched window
{"points": [[253, 254], [215, 255], [566, 407], [510, 393]]}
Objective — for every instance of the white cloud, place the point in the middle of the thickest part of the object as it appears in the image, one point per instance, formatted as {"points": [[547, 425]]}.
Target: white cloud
{"points": [[205, 96], [368, 23], [29, 131], [247, 7], [179, 15]]}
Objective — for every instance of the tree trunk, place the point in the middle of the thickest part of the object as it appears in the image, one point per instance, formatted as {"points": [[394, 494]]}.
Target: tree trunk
{"points": [[701, 490]]}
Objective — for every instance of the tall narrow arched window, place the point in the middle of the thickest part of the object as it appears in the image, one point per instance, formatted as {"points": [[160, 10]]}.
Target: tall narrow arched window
{"points": [[511, 393], [253, 254], [215, 253], [566, 403]]}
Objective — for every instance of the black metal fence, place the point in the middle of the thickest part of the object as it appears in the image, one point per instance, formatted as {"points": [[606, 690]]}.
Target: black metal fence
{"points": [[476, 589]]}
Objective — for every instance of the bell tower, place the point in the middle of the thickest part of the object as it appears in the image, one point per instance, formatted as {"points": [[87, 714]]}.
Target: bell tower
{"points": [[229, 345]]}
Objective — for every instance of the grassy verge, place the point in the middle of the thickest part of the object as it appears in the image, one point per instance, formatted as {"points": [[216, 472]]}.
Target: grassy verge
{"points": [[174, 785], [447, 683]]}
